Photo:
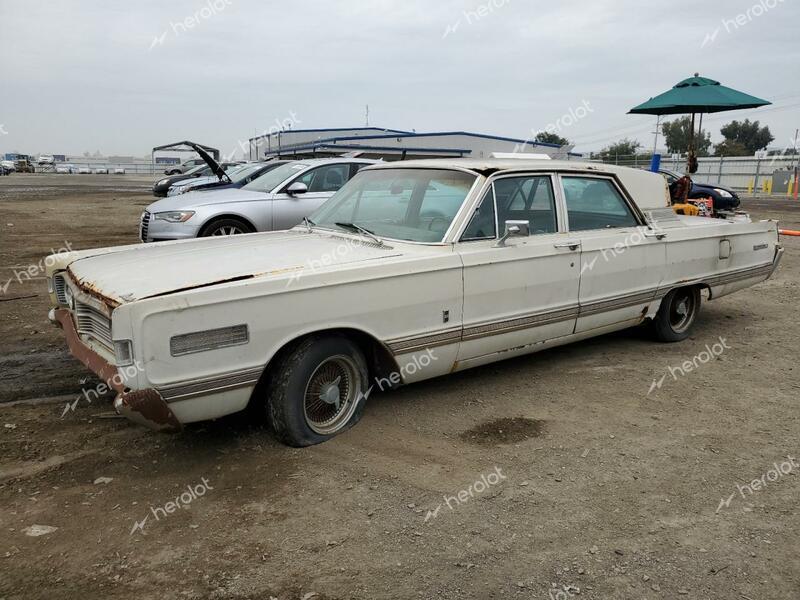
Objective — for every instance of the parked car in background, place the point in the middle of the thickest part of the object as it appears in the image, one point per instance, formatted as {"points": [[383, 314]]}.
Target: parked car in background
{"points": [[24, 164], [219, 174], [278, 199], [66, 168], [184, 167], [724, 198], [84, 170], [412, 270], [46, 159], [119, 171], [237, 177], [8, 166], [101, 171], [162, 186]]}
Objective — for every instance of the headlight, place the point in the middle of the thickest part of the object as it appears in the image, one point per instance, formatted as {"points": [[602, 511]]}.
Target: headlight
{"points": [[123, 352], [723, 193], [176, 216], [162, 182]]}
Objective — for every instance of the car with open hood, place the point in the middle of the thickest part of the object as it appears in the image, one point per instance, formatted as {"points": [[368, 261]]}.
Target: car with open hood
{"points": [[277, 199], [235, 177], [412, 270]]}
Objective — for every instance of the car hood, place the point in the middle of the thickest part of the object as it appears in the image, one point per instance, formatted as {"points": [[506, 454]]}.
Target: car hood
{"points": [[193, 199], [132, 273]]}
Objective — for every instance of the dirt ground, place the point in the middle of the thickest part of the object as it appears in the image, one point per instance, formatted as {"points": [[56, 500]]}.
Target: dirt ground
{"points": [[553, 476]]}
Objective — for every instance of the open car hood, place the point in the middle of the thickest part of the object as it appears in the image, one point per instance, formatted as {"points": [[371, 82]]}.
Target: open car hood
{"points": [[216, 168]]}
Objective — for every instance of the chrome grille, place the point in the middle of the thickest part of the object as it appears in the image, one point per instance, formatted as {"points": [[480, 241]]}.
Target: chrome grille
{"points": [[144, 226], [94, 323], [60, 289]]}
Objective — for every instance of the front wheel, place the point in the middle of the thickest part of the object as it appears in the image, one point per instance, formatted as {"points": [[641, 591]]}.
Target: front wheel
{"points": [[677, 314], [225, 227], [317, 390]]}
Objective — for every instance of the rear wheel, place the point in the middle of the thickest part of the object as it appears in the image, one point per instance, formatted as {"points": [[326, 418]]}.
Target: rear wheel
{"points": [[317, 390], [678, 312], [227, 226]]}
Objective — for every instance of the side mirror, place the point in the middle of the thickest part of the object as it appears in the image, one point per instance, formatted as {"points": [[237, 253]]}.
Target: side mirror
{"points": [[297, 188], [514, 229]]}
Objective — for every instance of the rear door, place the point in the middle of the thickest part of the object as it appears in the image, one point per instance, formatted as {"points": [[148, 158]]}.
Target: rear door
{"points": [[622, 262], [322, 183], [527, 290]]}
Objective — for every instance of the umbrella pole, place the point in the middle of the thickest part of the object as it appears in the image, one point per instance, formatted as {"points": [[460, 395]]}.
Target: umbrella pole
{"points": [[700, 128], [690, 150]]}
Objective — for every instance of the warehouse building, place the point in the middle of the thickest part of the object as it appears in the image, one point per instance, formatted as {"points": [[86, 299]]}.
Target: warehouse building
{"points": [[392, 144]]}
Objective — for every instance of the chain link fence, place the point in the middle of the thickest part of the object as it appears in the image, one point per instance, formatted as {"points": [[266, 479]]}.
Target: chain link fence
{"points": [[757, 176]]}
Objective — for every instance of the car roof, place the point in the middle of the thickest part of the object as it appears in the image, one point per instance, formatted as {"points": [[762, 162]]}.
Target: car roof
{"points": [[325, 161], [648, 189]]}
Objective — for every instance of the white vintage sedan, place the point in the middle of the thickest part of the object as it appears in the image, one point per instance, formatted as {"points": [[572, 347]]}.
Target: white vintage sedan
{"points": [[412, 270]]}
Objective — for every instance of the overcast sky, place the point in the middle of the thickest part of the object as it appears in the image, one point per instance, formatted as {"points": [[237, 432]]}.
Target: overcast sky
{"points": [[121, 77]]}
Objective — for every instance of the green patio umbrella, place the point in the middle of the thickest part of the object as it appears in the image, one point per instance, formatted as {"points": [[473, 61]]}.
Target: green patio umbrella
{"points": [[697, 95]]}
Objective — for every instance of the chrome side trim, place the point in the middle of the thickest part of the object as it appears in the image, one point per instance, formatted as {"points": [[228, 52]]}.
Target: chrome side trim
{"points": [[220, 383], [517, 323], [414, 343]]}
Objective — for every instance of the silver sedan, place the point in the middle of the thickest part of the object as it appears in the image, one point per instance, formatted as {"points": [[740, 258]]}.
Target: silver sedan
{"points": [[277, 200]]}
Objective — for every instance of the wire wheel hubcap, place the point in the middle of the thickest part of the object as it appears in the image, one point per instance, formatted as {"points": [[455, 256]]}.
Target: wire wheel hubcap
{"points": [[331, 394], [682, 311]]}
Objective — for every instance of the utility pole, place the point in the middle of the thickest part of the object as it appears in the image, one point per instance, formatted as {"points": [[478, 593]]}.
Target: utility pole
{"points": [[366, 116], [655, 141]]}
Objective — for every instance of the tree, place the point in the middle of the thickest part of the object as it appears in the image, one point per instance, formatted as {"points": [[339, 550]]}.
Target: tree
{"points": [[623, 147], [548, 137], [749, 135], [730, 148], [677, 134]]}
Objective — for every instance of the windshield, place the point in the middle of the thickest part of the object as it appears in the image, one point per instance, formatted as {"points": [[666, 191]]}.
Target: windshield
{"points": [[416, 205], [271, 179]]}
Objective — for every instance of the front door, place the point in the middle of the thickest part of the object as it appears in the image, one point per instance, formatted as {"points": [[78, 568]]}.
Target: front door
{"points": [[322, 182], [525, 291]]}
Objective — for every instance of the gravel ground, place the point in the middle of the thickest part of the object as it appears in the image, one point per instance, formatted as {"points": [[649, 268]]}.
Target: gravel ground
{"points": [[552, 476]]}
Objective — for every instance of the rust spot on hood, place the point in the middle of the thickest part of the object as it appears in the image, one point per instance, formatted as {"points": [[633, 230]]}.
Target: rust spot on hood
{"points": [[90, 289]]}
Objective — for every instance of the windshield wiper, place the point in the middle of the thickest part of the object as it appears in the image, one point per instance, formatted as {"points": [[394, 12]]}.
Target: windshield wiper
{"points": [[362, 230]]}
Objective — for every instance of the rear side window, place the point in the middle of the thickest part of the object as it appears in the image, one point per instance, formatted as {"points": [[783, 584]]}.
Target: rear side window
{"points": [[594, 203]]}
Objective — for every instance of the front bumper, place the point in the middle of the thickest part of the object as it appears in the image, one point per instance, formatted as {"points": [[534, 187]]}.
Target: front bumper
{"points": [[145, 407], [162, 231]]}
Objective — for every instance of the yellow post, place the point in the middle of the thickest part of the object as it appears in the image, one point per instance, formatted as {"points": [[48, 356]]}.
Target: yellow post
{"points": [[789, 189], [769, 187], [749, 187]]}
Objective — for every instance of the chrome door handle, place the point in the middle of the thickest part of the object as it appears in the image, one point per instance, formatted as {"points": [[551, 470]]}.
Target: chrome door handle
{"points": [[572, 244]]}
